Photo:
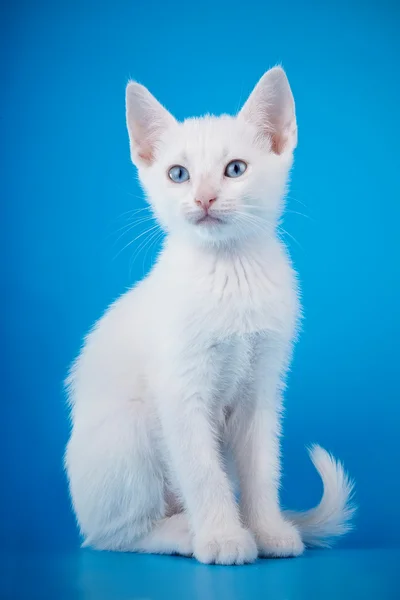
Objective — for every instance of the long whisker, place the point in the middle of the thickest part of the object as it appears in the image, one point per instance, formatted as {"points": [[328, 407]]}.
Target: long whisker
{"points": [[282, 230], [260, 224], [139, 219], [292, 199], [132, 212], [288, 210], [154, 242], [141, 247], [129, 226], [137, 237], [252, 216], [254, 206], [295, 212]]}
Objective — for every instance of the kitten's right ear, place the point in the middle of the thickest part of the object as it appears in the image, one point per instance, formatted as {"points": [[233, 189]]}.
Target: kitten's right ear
{"points": [[146, 120]]}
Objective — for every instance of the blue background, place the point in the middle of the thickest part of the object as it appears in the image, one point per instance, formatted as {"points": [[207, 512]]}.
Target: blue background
{"points": [[67, 183]]}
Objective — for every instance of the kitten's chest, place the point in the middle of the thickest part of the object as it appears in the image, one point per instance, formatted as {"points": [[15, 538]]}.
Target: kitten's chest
{"points": [[243, 299], [233, 359]]}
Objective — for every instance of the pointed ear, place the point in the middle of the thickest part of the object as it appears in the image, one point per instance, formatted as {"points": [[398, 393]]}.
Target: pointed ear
{"points": [[146, 121], [271, 108]]}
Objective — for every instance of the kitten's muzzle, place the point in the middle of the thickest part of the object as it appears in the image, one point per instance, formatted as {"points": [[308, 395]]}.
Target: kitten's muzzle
{"points": [[205, 202]]}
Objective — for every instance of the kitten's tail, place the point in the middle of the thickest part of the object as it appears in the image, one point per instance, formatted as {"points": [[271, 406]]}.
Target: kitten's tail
{"points": [[332, 517]]}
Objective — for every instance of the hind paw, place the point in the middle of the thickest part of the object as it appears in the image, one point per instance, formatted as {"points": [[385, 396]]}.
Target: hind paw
{"points": [[279, 540]]}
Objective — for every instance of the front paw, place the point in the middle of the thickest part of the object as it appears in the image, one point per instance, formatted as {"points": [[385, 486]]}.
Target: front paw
{"points": [[228, 547], [279, 540]]}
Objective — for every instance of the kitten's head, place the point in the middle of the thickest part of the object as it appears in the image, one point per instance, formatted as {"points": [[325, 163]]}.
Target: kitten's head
{"points": [[217, 179]]}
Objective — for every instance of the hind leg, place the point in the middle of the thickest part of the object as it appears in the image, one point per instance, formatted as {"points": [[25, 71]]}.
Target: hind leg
{"points": [[171, 535], [117, 484]]}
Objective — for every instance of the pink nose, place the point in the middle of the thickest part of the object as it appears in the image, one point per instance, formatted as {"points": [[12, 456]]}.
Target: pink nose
{"points": [[205, 202]]}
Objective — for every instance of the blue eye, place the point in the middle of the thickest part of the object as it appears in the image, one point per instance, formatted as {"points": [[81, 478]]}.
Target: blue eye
{"points": [[235, 168], [178, 174]]}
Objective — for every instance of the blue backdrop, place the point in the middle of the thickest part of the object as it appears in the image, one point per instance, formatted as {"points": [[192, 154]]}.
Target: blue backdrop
{"points": [[67, 183]]}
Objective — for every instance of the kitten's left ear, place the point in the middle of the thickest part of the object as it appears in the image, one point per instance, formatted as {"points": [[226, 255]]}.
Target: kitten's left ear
{"points": [[270, 107], [146, 120]]}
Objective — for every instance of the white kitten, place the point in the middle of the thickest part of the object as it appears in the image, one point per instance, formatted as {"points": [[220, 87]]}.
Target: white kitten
{"points": [[185, 371]]}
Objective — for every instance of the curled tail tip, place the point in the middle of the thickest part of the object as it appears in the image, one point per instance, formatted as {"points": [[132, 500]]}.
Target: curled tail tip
{"points": [[332, 518], [332, 472], [318, 454]]}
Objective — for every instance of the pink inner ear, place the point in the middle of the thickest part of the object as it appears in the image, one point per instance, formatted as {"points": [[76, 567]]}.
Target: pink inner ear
{"points": [[146, 155], [143, 143], [144, 149], [278, 143]]}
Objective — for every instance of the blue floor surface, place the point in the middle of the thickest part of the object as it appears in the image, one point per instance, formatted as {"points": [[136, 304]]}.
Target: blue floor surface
{"points": [[88, 575]]}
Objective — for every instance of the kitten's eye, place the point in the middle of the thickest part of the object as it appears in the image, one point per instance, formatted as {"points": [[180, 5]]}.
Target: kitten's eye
{"points": [[235, 168], [178, 174]]}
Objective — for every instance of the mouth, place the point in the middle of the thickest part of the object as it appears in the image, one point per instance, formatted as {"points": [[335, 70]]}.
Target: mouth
{"points": [[208, 219]]}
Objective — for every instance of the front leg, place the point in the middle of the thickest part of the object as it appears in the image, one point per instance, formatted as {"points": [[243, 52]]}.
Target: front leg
{"points": [[219, 536], [254, 432]]}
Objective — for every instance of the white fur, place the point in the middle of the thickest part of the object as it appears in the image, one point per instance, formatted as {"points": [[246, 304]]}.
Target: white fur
{"points": [[185, 372]]}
